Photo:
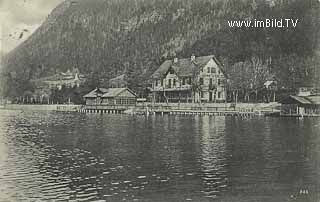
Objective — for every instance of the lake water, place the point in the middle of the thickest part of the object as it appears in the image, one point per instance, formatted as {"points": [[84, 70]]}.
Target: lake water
{"points": [[48, 156]]}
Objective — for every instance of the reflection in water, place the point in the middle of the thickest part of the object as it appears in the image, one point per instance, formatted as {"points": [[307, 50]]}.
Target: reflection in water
{"points": [[213, 153], [78, 157]]}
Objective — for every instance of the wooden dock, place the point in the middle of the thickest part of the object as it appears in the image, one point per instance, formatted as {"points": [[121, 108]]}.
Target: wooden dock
{"points": [[203, 113], [169, 110], [103, 109]]}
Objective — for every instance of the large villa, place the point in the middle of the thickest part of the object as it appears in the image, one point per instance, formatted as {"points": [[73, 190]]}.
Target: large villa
{"points": [[194, 79]]}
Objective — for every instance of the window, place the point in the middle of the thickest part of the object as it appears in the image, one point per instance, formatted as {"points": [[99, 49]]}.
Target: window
{"points": [[183, 81], [209, 69], [202, 94], [174, 82], [156, 82], [161, 82], [210, 82], [189, 80], [169, 84], [201, 81], [219, 82], [219, 95]]}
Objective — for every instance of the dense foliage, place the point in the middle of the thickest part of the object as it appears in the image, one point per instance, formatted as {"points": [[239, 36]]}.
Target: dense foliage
{"points": [[105, 38]]}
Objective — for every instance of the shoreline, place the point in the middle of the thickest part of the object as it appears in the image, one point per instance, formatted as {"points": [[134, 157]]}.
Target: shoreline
{"points": [[42, 107], [214, 109], [210, 109]]}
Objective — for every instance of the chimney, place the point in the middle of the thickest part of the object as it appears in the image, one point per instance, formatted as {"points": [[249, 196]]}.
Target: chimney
{"points": [[175, 60], [193, 58]]}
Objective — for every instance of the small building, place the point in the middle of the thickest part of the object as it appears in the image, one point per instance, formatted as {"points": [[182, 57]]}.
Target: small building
{"points": [[300, 105], [118, 82], [270, 88], [68, 79], [111, 96], [94, 97], [304, 91], [194, 79], [270, 85]]}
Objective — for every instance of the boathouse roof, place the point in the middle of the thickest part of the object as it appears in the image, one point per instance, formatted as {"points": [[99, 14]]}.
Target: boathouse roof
{"points": [[114, 92], [185, 67], [315, 99], [109, 93], [96, 92], [302, 100]]}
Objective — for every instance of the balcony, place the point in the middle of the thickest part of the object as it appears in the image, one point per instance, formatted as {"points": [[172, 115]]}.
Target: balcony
{"points": [[168, 88]]}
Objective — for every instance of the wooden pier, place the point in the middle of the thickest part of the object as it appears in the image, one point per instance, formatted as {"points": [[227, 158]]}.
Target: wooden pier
{"points": [[203, 113], [169, 110], [103, 109]]}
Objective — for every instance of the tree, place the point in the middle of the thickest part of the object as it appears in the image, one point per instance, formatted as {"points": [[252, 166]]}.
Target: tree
{"points": [[196, 87], [248, 77], [259, 74]]}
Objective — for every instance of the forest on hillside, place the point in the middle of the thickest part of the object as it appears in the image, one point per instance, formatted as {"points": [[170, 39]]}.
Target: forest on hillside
{"points": [[106, 38]]}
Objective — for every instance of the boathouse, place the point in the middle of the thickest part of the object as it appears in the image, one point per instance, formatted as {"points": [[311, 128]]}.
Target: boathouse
{"points": [[110, 96], [94, 97], [301, 105]]}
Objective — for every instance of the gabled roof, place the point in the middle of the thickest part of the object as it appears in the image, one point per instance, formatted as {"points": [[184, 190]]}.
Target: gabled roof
{"points": [[302, 100], [184, 67], [113, 92], [107, 93], [296, 99], [315, 99], [96, 92], [120, 77]]}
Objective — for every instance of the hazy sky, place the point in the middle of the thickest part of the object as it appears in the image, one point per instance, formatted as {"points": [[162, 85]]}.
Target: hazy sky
{"points": [[21, 16]]}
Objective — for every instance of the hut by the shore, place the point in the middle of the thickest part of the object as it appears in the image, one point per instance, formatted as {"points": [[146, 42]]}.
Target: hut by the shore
{"points": [[111, 96], [300, 105]]}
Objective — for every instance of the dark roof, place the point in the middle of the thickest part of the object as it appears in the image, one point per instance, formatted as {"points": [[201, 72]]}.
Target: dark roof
{"points": [[305, 100], [301, 100], [95, 92], [113, 92], [185, 67], [107, 93]]}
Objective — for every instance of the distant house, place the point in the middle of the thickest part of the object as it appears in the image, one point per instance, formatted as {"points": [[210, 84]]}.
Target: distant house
{"points": [[301, 105], [194, 79], [111, 96], [304, 91], [68, 79], [68, 82], [270, 85], [118, 82]]}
